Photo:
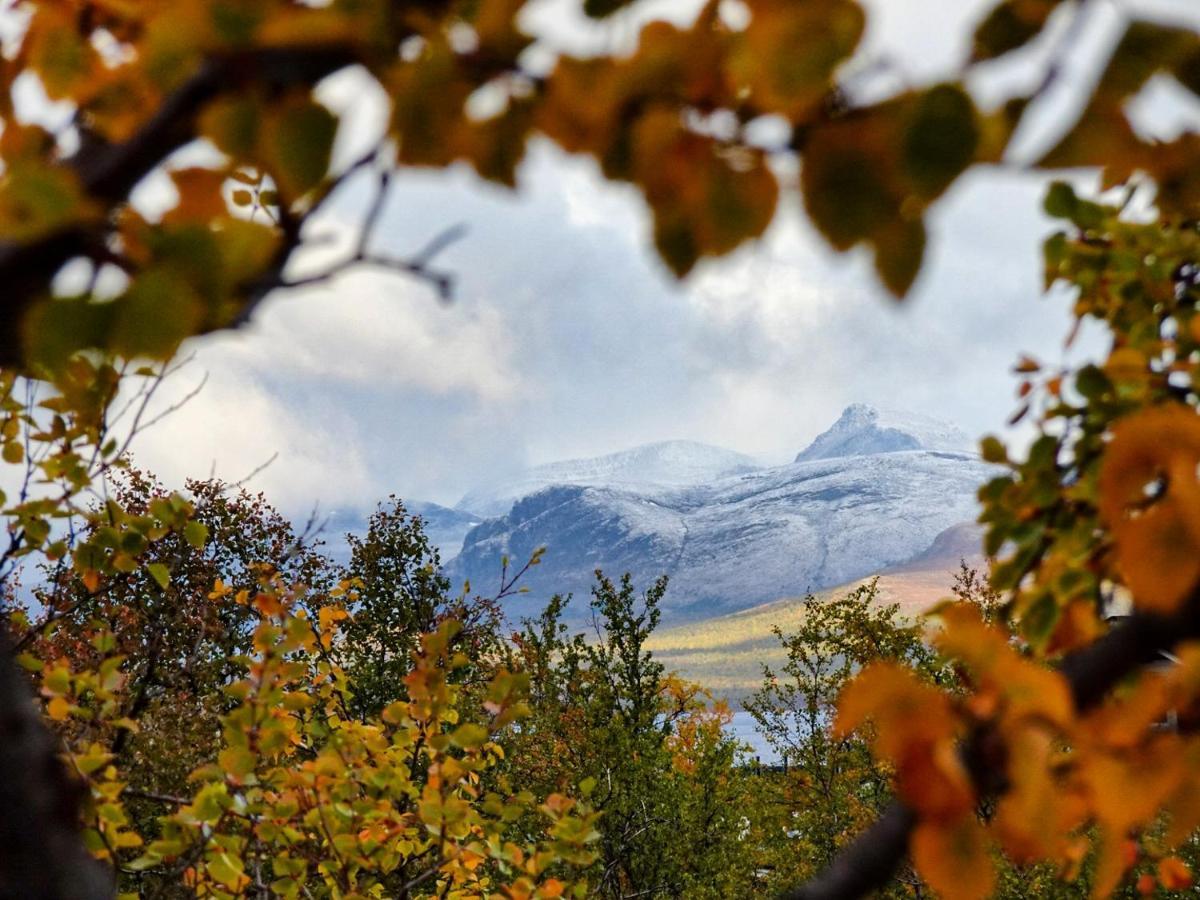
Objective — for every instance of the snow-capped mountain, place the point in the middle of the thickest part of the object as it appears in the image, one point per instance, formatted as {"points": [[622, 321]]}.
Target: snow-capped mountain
{"points": [[874, 491], [863, 430], [645, 469]]}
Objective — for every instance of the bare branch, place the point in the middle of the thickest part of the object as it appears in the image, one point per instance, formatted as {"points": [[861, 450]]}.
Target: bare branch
{"points": [[257, 470]]}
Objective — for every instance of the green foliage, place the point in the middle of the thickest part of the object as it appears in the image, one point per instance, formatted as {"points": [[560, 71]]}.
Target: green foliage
{"points": [[660, 768], [183, 649], [831, 787], [399, 594]]}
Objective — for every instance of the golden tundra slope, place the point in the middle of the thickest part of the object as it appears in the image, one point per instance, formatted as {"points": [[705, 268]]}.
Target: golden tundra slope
{"points": [[726, 654]]}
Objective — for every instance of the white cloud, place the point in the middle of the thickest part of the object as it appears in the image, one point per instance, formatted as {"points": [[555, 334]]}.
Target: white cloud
{"points": [[379, 330], [235, 425], [567, 337]]}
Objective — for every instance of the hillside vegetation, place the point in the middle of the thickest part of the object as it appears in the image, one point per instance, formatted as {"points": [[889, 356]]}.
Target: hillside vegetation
{"points": [[726, 653]]}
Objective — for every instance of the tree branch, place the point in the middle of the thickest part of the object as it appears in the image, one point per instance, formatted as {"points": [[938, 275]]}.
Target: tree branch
{"points": [[109, 172], [871, 859]]}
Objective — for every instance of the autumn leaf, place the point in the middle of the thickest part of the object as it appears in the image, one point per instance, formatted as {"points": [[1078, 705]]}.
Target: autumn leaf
{"points": [[954, 859], [58, 708], [200, 197], [1010, 25], [36, 199], [787, 55], [58, 51], [705, 203], [1173, 874], [1150, 499]]}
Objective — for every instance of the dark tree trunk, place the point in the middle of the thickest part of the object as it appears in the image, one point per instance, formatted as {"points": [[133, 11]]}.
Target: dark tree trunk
{"points": [[42, 856]]}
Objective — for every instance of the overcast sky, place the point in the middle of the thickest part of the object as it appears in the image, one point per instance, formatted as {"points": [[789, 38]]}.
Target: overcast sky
{"points": [[567, 337]]}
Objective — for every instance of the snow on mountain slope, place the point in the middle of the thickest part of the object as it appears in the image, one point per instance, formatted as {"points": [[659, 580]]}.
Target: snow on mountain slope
{"points": [[864, 430], [648, 468], [445, 527], [863, 504]]}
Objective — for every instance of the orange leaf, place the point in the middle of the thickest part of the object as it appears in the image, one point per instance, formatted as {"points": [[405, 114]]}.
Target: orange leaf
{"points": [[892, 695], [1036, 817], [1173, 874], [1029, 689], [58, 709], [268, 604], [1150, 499], [200, 198], [953, 859]]}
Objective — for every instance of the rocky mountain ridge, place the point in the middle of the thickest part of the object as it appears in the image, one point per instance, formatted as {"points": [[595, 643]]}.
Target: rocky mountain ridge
{"points": [[875, 490]]}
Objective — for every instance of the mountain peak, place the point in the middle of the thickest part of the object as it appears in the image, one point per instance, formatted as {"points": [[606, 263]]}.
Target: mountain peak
{"points": [[648, 467], [864, 430]]}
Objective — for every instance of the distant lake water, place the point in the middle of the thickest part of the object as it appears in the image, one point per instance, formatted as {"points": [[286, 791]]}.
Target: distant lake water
{"points": [[742, 728]]}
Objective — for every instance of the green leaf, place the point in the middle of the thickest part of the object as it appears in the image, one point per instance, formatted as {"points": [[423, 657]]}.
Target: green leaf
{"points": [[226, 870], [156, 313], [232, 123], [298, 145], [1060, 201], [160, 574], [1092, 383], [993, 450], [36, 199], [940, 139], [469, 736], [196, 534], [845, 179]]}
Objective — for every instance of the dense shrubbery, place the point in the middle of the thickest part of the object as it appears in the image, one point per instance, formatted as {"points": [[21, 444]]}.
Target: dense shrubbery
{"points": [[264, 719]]}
